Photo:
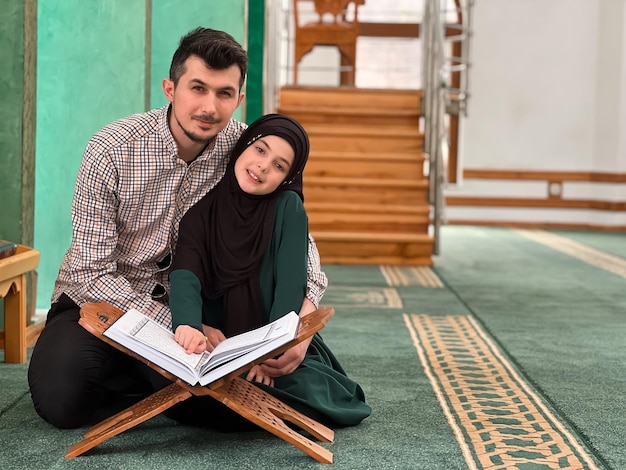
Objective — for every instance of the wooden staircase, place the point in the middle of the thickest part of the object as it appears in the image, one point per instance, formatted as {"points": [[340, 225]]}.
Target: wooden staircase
{"points": [[365, 190]]}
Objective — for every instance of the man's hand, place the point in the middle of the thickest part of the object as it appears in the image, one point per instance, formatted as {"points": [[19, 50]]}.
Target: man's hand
{"points": [[286, 363], [191, 339], [294, 356], [256, 374], [213, 337]]}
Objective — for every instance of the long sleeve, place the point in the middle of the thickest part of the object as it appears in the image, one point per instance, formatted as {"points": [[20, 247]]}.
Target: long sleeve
{"points": [[185, 299], [93, 256], [189, 268], [316, 279], [284, 270]]}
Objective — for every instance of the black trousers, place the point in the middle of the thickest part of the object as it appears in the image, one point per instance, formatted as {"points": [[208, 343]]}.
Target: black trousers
{"points": [[72, 375]]}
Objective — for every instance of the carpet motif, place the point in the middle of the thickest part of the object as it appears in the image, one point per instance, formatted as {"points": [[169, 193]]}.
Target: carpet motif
{"points": [[362, 297], [497, 418], [600, 259], [410, 276]]}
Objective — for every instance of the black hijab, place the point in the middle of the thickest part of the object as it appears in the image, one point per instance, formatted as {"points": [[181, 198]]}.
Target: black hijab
{"points": [[237, 229]]}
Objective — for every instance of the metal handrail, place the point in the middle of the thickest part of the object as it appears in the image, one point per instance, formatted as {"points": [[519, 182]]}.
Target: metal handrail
{"points": [[435, 97], [437, 68]]}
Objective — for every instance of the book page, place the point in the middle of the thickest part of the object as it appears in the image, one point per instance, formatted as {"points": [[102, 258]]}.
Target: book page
{"points": [[157, 344], [153, 334], [235, 345], [280, 332]]}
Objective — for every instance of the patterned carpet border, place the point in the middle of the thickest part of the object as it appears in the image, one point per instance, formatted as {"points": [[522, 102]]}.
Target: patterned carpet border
{"points": [[497, 418], [363, 297], [600, 259], [410, 276]]}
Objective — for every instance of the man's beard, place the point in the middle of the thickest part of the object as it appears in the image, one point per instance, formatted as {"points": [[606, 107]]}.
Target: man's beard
{"points": [[191, 136]]}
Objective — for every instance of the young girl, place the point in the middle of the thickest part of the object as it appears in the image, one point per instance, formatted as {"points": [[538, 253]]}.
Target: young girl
{"points": [[241, 262]]}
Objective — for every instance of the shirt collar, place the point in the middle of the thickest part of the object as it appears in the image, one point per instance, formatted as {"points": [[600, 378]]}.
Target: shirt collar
{"points": [[164, 130]]}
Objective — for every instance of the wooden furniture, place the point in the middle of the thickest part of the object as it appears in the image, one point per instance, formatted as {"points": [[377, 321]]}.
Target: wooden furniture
{"points": [[13, 270], [331, 28], [238, 394]]}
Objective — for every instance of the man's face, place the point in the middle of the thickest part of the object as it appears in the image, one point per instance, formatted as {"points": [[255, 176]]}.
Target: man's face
{"points": [[203, 102]]}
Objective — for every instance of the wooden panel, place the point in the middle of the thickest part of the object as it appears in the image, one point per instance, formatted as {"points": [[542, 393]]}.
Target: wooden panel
{"points": [[389, 30], [368, 222], [380, 195], [351, 98], [366, 191], [553, 203], [541, 225], [408, 118], [364, 142], [360, 157], [359, 208], [365, 167], [599, 177], [356, 251]]}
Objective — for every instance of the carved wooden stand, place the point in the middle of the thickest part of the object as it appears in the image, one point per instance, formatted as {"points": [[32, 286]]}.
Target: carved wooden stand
{"points": [[13, 289], [238, 394]]}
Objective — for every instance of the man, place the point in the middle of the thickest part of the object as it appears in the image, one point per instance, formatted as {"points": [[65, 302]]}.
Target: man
{"points": [[138, 177]]}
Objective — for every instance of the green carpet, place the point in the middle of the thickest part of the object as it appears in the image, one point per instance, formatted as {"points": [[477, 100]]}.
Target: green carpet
{"points": [[509, 353], [561, 319]]}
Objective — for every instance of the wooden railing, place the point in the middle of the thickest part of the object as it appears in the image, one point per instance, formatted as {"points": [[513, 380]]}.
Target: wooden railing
{"points": [[554, 198]]}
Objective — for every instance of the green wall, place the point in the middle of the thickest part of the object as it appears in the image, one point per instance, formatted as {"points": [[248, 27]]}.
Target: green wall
{"points": [[256, 43], [17, 122], [18, 36], [171, 19], [99, 61], [11, 94]]}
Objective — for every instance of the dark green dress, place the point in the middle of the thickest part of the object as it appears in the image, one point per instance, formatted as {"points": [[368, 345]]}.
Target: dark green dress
{"points": [[319, 387]]}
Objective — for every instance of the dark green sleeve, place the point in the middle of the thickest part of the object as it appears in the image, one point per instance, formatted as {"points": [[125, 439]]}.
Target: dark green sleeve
{"points": [[284, 269], [185, 299]]}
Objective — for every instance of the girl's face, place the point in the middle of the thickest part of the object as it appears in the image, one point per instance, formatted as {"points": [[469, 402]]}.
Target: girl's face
{"points": [[264, 165]]}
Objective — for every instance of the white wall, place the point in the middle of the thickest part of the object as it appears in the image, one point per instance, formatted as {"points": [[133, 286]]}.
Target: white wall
{"points": [[548, 92]]}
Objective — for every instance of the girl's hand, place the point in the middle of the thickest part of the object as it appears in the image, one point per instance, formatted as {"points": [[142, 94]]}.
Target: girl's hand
{"points": [[191, 339], [213, 337]]}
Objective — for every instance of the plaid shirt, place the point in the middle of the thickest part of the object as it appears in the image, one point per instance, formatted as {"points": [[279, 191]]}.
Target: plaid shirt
{"points": [[131, 192]]}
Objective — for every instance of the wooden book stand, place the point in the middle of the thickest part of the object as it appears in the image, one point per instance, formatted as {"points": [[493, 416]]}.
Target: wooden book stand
{"points": [[235, 392]]}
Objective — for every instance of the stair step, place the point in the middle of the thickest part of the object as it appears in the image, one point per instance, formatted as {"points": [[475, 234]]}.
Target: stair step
{"points": [[354, 130], [366, 143], [366, 194], [419, 183], [364, 139], [355, 111], [364, 190], [373, 248], [361, 157], [367, 208], [372, 237], [346, 217], [350, 97], [367, 222], [365, 165], [353, 115]]}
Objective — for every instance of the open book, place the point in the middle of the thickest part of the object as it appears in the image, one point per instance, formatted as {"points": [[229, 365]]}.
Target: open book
{"points": [[156, 343]]}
